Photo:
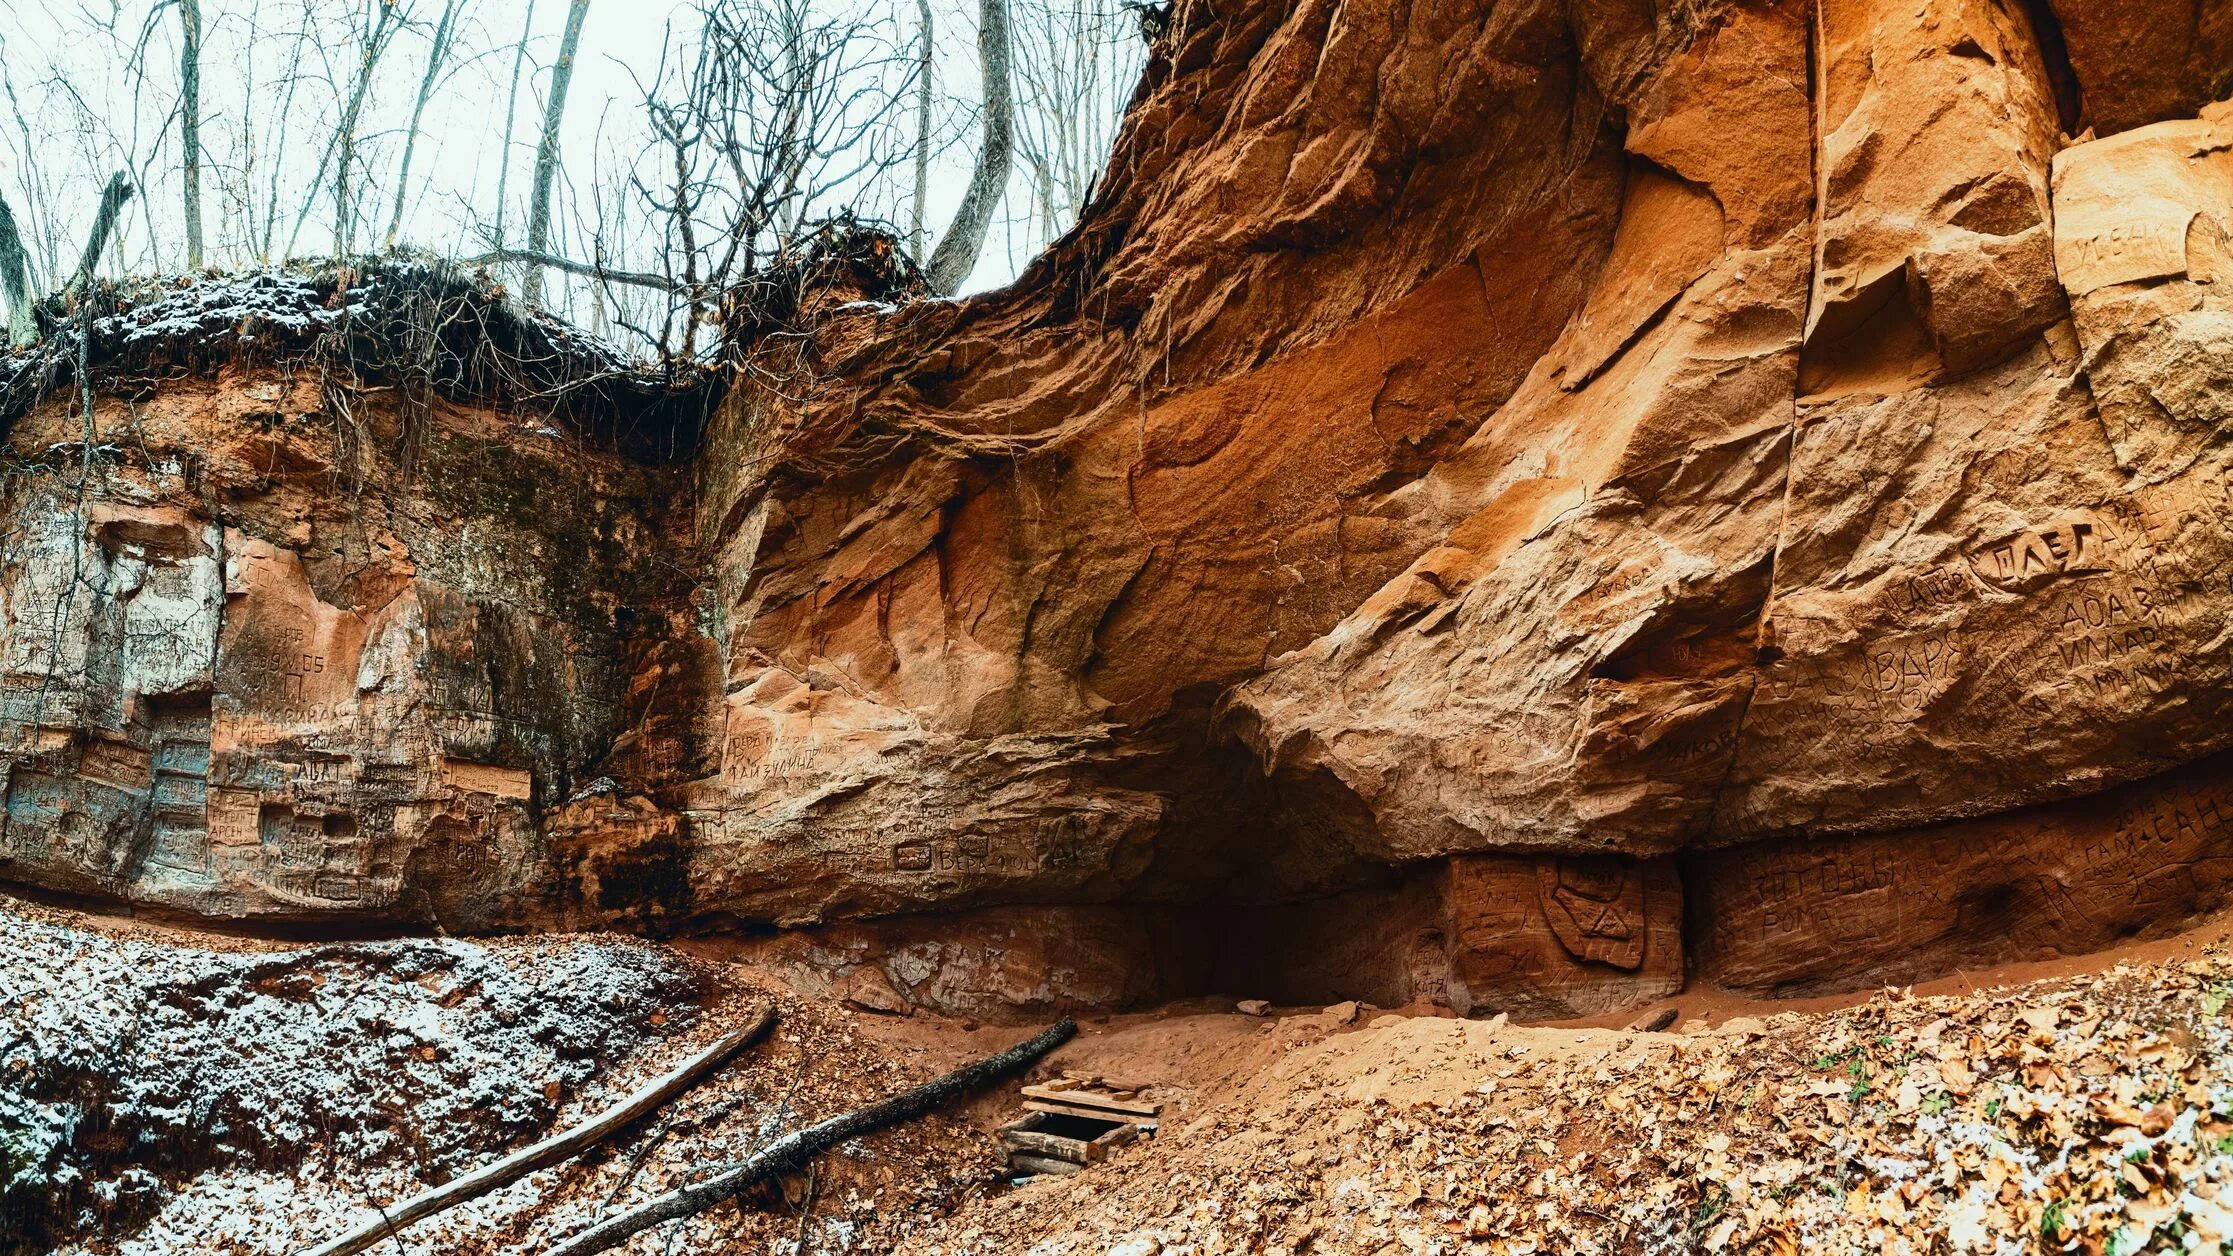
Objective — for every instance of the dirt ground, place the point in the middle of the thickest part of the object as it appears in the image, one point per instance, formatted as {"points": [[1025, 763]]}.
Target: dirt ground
{"points": [[2077, 1105]]}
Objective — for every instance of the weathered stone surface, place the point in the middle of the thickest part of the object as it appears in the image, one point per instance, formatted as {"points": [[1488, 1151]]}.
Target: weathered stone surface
{"points": [[1937, 590], [1552, 937], [2139, 61], [1000, 962], [254, 670], [1469, 462], [1814, 916]]}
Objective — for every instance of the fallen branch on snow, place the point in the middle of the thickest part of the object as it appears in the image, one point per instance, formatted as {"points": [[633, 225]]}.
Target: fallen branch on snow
{"points": [[552, 1150], [794, 1150]]}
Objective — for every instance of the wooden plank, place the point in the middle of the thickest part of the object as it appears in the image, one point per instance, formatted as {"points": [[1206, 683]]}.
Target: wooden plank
{"points": [[1117, 1137], [1049, 1145], [1095, 1099], [1031, 1140], [1025, 1162], [1091, 1114], [1023, 1136]]}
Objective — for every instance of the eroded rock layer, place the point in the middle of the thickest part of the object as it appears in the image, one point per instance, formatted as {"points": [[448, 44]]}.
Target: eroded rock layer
{"points": [[1512, 504]]}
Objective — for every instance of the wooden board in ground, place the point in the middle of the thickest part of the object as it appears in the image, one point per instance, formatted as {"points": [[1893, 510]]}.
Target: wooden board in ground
{"points": [[1092, 1114], [1080, 1140], [1026, 1162], [1093, 1099]]}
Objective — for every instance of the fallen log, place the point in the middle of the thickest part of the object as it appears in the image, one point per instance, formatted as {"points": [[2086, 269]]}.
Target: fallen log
{"points": [[793, 1151], [552, 1150]]}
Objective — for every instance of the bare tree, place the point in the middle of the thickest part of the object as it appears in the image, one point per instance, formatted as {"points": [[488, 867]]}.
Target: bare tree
{"points": [[279, 142], [922, 130], [759, 121], [190, 124], [1075, 68], [341, 149], [795, 107], [511, 106], [958, 249], [98, 128], [31, 176], [546, 151], [444, 41]]}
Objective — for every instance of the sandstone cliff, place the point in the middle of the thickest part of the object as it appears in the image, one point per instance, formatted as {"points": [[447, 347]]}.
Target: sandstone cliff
{"points": [[1516, 504]]}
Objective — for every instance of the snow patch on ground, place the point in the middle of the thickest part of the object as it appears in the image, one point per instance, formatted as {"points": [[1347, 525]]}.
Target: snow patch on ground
{"points": [[248, 305], [129, 1067]]}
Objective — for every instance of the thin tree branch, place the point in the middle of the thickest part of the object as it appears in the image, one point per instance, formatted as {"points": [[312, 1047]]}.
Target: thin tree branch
{"points": [[590, 270]]}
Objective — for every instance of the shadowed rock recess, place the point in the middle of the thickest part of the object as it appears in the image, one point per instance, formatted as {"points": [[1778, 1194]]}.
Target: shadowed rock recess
{"points": [[1521, 505]]}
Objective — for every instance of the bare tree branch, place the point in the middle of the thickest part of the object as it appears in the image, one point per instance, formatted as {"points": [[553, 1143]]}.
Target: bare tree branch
{"points": [[795, 1150], [588, 270], [557, 1148]]}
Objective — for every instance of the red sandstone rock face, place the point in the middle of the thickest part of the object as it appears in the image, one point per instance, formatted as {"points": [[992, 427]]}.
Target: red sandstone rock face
{"points": [[252, 676], [1501, 504]]}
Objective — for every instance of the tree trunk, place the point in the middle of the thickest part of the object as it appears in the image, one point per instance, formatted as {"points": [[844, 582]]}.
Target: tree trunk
{"points": [[344, 142], [190, 123], [113, 197], [279, 144], [922, 131], [957, 251], [15, 280], [546, 152], [793, 1151], [443, 34], [511, 106]]}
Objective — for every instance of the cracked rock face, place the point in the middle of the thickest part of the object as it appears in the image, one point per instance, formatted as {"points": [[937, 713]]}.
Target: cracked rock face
{"points": [[1516, 503], [240, 679]]}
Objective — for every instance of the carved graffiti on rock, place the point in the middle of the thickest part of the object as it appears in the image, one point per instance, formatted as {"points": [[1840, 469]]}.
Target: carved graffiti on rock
{"points": [[2036, 556], [2145, 240], [1596, 908]]}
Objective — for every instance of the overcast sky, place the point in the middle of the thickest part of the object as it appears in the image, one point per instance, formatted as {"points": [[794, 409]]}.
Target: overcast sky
{"points": [[80, 106]]}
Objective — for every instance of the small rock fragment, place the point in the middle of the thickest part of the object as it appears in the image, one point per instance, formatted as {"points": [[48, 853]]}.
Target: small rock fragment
{"points": [[1654, 1022], [871, 991]]}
